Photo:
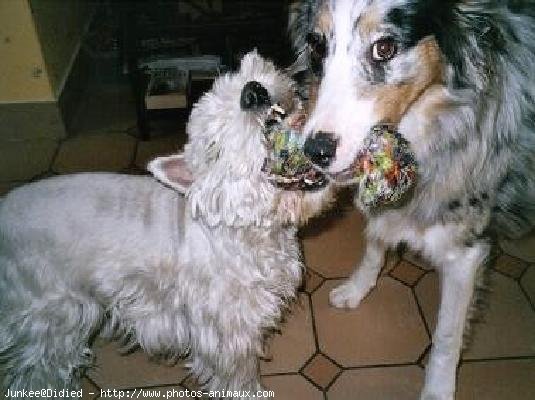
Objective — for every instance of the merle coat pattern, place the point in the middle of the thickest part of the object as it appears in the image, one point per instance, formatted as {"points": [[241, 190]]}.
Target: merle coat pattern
{"points": [[457, 77]]}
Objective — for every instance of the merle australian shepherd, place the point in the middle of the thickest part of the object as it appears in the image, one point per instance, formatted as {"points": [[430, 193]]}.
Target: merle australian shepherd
{"points": [[457, 78]]}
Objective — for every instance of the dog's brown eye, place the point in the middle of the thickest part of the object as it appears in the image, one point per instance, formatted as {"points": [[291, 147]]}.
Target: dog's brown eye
{"points": [[384, 49]]}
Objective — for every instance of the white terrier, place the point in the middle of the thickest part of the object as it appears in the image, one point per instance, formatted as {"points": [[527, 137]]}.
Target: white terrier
{"points": [[201, 268]]}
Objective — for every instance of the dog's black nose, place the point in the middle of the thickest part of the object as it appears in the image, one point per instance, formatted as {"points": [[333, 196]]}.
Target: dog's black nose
{"points": [[321, 148], [254, 96]]}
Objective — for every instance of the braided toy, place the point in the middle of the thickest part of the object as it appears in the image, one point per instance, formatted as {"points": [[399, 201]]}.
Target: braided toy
{"points": [[287, 166], [384, 170]]}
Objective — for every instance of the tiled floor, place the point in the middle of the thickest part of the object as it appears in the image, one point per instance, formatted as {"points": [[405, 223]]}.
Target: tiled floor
{"points": [[375, 352]]}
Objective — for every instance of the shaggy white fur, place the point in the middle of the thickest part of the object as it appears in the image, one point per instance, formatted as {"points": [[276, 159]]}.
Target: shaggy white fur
{"points": [[201, 268]]}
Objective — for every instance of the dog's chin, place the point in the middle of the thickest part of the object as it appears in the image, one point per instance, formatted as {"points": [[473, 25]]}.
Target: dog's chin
{"points": [[296, 207]]}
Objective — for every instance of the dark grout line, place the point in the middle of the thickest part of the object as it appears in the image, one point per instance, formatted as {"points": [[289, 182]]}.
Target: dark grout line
{"points": [[56, 153], [420, 359], [328, 387], [332, 360], [425, 272], [421, 313], [399, 280], [312, 382], [315, 290], [316, 272], [313, 317], [526, 295], [280, 374], [337, 278], [498, 359], [497, 271], [308, 361], [417, 266], [186, 378], [320, 285], [525, 272], [92, 381], [374, 366]]}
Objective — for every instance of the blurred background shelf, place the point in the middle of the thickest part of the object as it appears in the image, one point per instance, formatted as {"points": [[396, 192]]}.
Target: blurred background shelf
{"points": [[164, 29]]}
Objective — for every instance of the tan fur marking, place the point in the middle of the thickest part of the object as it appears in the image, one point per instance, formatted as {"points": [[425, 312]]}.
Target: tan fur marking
{"points": [[324, 20], [393, 101], [433, 103], [313, 89], [369, 22]]}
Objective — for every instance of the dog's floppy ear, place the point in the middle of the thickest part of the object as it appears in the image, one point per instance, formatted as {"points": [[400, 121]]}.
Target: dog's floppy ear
{"points": [[173, 171]]}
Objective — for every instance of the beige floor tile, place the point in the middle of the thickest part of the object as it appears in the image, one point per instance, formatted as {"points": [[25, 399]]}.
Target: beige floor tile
{"points": [[393, 383], [321, 371], [417, 259], [428, 292], [523, 248], [407, 273], [509, 323], [292, 387], [507, 328], [510, 266], [498, 380], [102, 151], [333, 246], [385, 328], [528, 283], [114, 371], [295, 345], [311, 281], [158, 146]]}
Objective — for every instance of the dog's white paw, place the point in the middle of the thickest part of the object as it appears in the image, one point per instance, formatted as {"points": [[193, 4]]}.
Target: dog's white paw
{"points": [[347, 295]]}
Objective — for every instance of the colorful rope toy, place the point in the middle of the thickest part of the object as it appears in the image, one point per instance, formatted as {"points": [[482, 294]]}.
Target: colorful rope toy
{"points": [[384, 170], [287, 166]]}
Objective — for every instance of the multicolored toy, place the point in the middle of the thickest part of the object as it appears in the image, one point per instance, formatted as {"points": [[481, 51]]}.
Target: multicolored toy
{"points": [[287, 166], [384, 170]]}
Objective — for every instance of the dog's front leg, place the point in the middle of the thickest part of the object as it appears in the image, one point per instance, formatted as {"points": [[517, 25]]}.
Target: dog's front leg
{"points": [[353, 290], [458, 275]]}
